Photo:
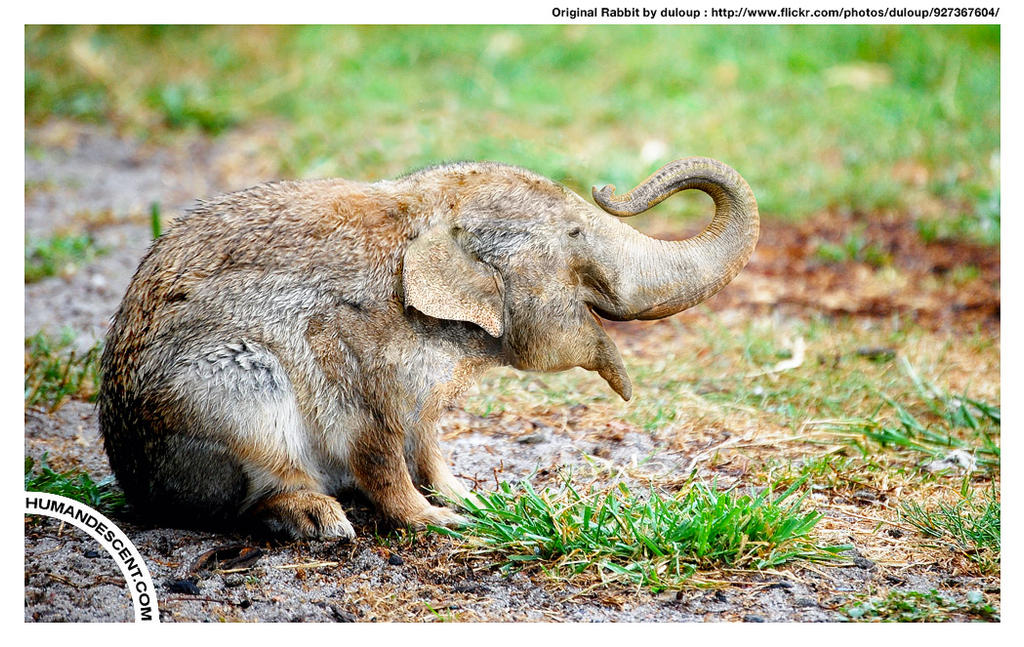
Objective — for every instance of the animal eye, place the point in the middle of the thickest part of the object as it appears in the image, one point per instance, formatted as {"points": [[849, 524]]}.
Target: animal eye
{"points": [[575, 232]]}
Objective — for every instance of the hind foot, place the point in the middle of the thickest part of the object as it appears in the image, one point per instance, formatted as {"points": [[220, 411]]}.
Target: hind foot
{"points": [[305, 514]]}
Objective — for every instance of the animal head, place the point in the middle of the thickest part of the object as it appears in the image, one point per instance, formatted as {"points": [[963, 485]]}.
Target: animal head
{"points": [[537, 266]]}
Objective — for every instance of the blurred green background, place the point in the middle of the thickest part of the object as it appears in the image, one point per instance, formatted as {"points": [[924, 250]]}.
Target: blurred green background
{"points": [[896, 119]]}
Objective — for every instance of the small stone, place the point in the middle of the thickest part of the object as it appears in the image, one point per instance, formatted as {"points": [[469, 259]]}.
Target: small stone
{"points": [[395, 560], [233, 580], [92, 554], [341, 615], [862, 562], [532, 439], [805, 602], [877, 354], [753, 618], [865, 495], [188, 587]]}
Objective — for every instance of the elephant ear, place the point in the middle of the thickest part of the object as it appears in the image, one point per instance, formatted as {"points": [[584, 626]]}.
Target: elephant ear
{"points": [[442, 280]]}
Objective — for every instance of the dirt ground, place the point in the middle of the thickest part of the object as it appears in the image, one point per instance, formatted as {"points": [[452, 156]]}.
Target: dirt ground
{"points": [[85, 178]]}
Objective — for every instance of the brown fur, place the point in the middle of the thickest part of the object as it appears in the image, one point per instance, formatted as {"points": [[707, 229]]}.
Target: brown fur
{"points": [[288, 341]]}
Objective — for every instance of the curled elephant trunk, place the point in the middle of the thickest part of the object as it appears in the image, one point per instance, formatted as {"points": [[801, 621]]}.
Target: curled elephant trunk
{"points": [[656, 278]]}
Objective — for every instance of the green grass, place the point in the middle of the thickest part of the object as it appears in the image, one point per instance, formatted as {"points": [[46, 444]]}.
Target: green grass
{"points": [[972, 526], [854, 381], [651, 539], [853, 248], [980, 223], [101, 495], [816, 117], [915, 606], [183, 105], [55, 372], [439, 616], [864, 426], [835, 472], [57, 254], [155, 220], [833, 381], [953, 422]]}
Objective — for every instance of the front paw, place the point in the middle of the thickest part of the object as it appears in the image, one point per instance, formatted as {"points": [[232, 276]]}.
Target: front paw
{"points": [[435, 516]]}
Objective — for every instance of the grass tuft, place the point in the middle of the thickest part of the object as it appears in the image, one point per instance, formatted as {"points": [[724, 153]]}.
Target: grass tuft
{"points": [[980, 224], [101, 495], [650, 539], [191, 105], [972, 526], [55, 372], [854, 248], [59, 254], [946, 423]]}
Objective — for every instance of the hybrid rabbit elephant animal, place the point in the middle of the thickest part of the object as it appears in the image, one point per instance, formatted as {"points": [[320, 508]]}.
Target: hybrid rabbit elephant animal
{"points": [[280, 344]]}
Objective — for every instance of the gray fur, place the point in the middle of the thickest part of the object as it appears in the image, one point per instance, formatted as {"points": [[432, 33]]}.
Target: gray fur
{"points": [[282, 343]]}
